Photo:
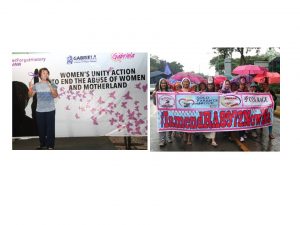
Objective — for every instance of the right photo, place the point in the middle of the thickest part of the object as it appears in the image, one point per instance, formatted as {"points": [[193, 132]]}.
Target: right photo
{"points": [[224, 99]]}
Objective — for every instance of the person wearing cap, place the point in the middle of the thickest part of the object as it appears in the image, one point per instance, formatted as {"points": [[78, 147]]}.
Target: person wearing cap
{"points": [[253, 89], [266, 89], [211, 85]]}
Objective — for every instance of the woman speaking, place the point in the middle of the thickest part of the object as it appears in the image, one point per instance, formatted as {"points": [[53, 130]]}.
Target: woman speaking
{"points": [[45, 111]]}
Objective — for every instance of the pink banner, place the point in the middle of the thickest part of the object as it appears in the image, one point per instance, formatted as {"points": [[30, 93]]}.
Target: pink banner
{"points": [[210, 112]]}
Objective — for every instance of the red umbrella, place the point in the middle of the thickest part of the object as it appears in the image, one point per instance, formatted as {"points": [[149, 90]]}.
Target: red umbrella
{"points": [[273, 77], [249, 69], [219, 79]]}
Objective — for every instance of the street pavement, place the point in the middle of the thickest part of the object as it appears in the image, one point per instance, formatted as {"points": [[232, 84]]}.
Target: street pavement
{"points": [[260, 144]]}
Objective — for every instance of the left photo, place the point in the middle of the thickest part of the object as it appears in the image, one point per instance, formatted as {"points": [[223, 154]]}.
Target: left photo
{"points": [[79, 101]]}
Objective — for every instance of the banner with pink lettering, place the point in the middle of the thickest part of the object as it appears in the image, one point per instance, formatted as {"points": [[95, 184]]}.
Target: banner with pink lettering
{"points": [[99, 93], [213, 112]]}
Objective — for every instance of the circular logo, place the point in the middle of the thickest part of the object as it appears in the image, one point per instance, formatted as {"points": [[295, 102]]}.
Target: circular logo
{"points": [[230, 101]]}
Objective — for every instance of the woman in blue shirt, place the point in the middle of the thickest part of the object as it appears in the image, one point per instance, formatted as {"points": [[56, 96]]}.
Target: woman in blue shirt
{"points": [[45, 111]]}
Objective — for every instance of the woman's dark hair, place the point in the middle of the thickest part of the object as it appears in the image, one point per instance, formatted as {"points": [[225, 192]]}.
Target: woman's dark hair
{"points": [[198, 86], [42, 69], [213, 89], [203, 84], [20, 96], [159, 84]]}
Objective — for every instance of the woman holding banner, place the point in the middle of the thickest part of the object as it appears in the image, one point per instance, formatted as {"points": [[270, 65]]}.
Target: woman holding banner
{"points": [[163, 136], [253, 89], [226, 89], [177, 86], [45, 111], [186, 87], [211, 135], [234, 86], [201, 87]]}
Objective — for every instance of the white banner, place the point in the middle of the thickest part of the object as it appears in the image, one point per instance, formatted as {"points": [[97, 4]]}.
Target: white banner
{"points": [[99, 93]]}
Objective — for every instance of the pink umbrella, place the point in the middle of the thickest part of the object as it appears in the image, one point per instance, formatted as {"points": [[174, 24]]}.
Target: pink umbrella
{"points": [[194, 78], [249, 69], [273, 77], [219, 79]]}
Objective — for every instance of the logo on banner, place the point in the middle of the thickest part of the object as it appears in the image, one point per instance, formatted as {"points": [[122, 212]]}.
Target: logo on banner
{"points": [[256, 100], [166, 102], [230, 101], [119, 57], [185, 102], [81, 59], [70, 60]]}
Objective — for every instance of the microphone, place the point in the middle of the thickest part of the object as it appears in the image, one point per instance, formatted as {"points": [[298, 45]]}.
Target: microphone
{"points": [[36, 76]]}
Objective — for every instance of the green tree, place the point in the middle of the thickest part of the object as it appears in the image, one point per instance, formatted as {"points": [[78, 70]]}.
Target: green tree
{"points": [[218, 63], [272, 53], [154, 64], [244, 51], [175, 67], [158, 64], [222, 53]]}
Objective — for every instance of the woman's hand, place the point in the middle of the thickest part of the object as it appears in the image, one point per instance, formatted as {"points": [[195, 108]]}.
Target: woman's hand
{"points": [[50, 87], [30, 91], [53, 91], [153, 94], [30, 84]]}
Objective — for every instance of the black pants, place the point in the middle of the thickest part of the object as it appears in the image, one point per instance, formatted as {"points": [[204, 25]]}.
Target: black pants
{"points": [[46, 128]]}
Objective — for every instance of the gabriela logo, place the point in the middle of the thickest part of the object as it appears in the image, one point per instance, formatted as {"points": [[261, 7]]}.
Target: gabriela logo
{"points": [[118, 57], [166, 102], [81, 59], [230, 101]]}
